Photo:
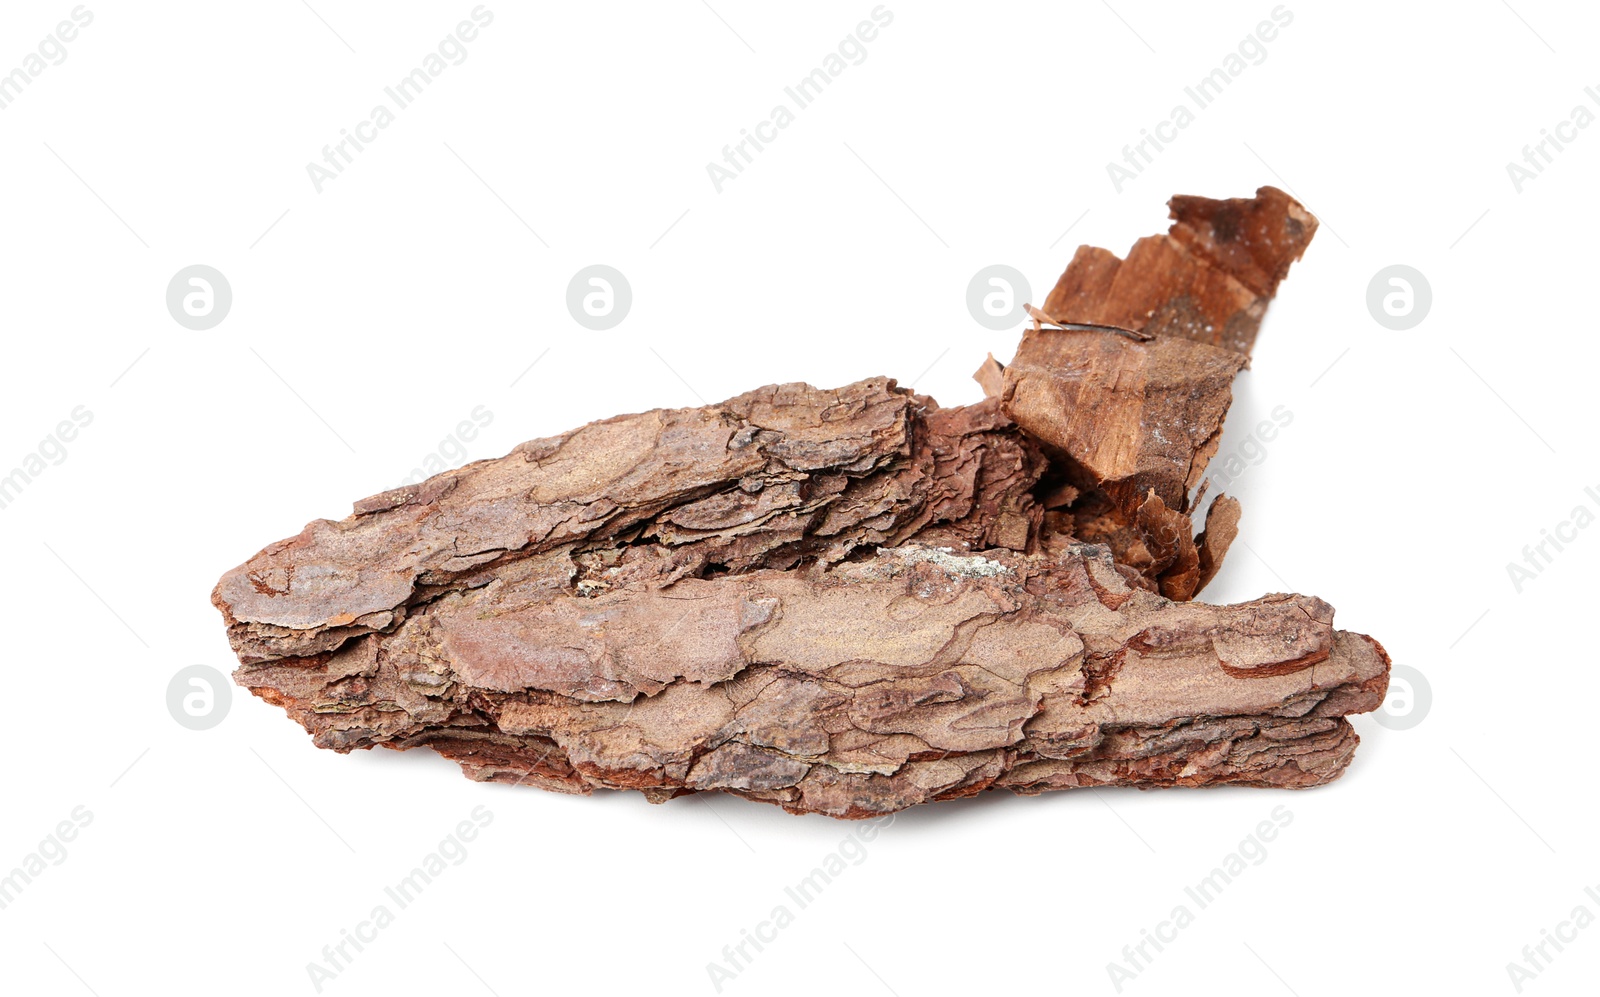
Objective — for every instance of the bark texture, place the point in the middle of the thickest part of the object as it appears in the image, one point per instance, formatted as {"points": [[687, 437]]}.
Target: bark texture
{"points": [[846, 601], [1130, 422]]}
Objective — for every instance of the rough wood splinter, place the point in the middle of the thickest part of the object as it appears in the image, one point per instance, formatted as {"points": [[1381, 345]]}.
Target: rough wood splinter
{"points": [[847, 601]]}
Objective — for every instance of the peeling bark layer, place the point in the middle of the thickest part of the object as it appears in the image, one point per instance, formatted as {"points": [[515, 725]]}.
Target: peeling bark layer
{"points": [[846, 601], [1130, 422]]}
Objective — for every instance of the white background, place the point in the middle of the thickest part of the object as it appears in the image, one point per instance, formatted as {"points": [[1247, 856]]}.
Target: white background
{"points": [[374, 316]]}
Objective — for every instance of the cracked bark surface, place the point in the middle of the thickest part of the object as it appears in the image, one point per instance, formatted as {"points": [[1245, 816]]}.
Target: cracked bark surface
{"points": [[846, 601]]}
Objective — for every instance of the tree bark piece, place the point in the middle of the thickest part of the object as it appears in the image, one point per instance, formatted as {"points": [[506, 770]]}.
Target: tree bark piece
{"points": [[1131, 422], [778, 477], [846, 601], [914, 674]]}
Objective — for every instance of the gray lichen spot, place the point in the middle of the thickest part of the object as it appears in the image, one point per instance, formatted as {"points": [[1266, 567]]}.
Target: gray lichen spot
{"points": [[955, 565]]}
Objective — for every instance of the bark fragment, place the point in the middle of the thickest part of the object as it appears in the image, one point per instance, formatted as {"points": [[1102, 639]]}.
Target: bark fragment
{"points": [[846, 601], [1124, 417], [911, 675]]}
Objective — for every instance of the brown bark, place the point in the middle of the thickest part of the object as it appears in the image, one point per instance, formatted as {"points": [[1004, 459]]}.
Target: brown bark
{"points": [[911, 675], [847, 601], [1130, 422]]}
